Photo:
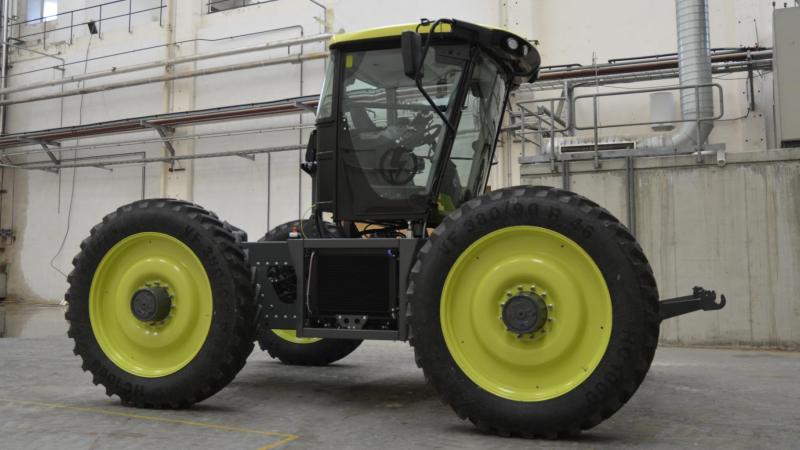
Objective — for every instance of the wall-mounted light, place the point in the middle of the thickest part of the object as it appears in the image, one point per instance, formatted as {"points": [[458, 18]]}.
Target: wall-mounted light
{"points": [[92, 27]]}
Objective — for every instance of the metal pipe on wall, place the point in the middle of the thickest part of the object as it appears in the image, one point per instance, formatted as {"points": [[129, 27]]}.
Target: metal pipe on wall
{"points": [[630, 173], [4, 63], [157, 140], [3, 80], [293, 59], [167, 62], [639, 74], [164, 159], [602, 70]]}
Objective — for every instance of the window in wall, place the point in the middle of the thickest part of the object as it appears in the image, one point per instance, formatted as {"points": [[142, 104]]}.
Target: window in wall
{"points": [[224, 5], [44, 10]]}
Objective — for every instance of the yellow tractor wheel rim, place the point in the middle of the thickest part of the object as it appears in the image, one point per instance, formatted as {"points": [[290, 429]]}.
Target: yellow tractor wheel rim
{"points": [[148, 349], [535, 366], [291, 336]]}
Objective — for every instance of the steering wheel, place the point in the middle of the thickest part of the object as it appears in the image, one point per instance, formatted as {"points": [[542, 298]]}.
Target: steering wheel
{"points": [[399, 166]]}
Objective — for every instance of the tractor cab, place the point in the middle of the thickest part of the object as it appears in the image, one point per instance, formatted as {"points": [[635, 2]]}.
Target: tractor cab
{"points": [[408, 118]]}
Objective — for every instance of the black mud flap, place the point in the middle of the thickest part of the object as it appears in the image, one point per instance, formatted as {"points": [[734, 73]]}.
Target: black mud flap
{"points": [[700, 299]]}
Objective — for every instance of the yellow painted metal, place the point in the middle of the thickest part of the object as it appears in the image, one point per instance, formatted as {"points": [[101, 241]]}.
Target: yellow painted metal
{"points": [[383, 32], [445, 204], [291, 336], [533, 367], [397, 30], [150, 350]]}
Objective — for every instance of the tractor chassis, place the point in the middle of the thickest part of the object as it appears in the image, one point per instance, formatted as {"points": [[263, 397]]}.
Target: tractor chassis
{"points": [[394, 259], [299, 254]]}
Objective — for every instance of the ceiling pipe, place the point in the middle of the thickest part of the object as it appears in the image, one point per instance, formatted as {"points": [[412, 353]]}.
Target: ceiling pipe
{"points": [[168, 62], [4, 63], [694, 69]]}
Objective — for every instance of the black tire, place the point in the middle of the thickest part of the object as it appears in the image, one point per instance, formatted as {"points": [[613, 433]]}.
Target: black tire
{"points": [[319, 353], [230, 337], [634, 299]]}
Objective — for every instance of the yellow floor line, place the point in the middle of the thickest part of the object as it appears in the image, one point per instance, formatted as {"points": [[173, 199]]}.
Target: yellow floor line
{"points": [[286, 437]]}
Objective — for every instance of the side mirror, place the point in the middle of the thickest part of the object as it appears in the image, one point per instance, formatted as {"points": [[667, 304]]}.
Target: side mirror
{"points": [[411, 46]]}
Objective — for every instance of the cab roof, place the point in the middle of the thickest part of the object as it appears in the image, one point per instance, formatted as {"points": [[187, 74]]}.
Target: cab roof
{"points": [[397, 30], [519, 58]]}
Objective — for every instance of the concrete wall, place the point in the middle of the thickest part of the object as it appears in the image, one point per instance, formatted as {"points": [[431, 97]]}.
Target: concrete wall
{"points": [[735, 229], [43, 209]]}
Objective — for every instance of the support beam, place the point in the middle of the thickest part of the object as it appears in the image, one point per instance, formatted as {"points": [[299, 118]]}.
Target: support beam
{"points": [[175, 119], [50, 154], [166, 133], [82, 162], [45, 146], [304, 106]]}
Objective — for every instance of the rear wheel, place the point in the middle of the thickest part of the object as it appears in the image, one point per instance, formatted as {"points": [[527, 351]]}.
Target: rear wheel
{"points": [[159, 304], [284, 344], [534, 312]]}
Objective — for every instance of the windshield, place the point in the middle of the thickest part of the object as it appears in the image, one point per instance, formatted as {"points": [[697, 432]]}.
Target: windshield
{"points": [[391, 139]]}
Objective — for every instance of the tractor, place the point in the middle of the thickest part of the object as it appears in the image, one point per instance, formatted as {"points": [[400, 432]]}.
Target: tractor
{"points": [[532, 310]]}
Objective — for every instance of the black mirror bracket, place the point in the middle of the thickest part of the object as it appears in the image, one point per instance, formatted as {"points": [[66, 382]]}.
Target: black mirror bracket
{"points": [[414, 54]]}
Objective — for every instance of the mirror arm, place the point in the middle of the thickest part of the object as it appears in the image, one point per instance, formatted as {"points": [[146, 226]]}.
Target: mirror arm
{"points": [[418, 77]]}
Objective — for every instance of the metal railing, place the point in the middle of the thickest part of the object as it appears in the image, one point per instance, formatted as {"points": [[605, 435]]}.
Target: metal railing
{"points": [[98, 21], [595, 105], [546, 123]]}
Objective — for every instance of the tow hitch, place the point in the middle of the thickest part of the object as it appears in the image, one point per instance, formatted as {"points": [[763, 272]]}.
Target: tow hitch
{"points": [[701, 299]]}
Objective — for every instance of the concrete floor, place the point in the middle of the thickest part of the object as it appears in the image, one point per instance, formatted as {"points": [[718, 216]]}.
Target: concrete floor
{"points": [[377, 398]]}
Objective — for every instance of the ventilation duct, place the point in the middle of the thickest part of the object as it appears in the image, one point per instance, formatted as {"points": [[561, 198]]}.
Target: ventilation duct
{"points": [[694, 66]]}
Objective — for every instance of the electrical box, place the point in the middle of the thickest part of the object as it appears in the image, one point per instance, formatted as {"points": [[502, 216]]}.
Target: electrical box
{"points": [[786, 70]]}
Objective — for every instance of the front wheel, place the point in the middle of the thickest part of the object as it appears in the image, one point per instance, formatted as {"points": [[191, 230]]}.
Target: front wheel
{"points": [[160, 304], [534, 312]]}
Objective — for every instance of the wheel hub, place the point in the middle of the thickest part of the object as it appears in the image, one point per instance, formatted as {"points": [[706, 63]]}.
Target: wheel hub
{"points": [[151, 304], [524, 313]]}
